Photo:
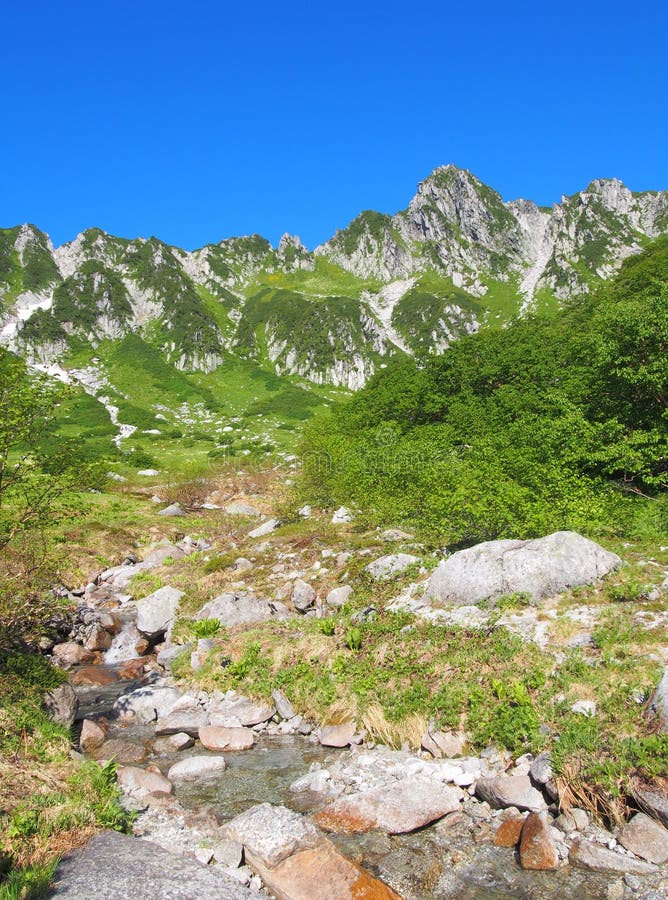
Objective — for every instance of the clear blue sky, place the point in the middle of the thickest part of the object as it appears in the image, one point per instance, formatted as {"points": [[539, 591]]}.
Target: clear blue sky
{"points": [[201, 120]]}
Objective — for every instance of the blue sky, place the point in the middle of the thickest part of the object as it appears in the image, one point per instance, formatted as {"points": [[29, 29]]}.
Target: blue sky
{"points": [[201, 120]]}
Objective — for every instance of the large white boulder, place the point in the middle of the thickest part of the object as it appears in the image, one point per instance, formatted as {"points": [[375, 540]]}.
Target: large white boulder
{"points": [[540, 568]]}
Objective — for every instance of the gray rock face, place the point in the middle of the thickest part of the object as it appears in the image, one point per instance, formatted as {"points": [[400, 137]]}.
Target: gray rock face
{"points": [[156, 613], [388, 566], [242, 609], [272, 833], [114, 866], [540, 568], [62, 704], [510, 790]]}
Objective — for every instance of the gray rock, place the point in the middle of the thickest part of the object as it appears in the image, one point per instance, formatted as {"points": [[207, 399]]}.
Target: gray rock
{"points": [[170, 652], [161, 554], [303, 595], [510, 790], [395, 534], [541, 769], [395, 809], [114, 866], [188, 721], [139, 782], [283, 706], [174, 509], [61, 704], [341, 516], [599, 859], [652, 799], [156, 613], [271, 833], [241, 609], [337, 597], [229, 853], [388, 566], [219, 738], [658, 705], [646, 838], [148, 473], [173, 743], [146, 704], [196, 767], [540, 568], [72, 654], [242, 565], [264, 529]]}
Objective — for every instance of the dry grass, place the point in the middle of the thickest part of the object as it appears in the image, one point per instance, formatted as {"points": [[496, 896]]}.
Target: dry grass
{"points": [[409, 732]]}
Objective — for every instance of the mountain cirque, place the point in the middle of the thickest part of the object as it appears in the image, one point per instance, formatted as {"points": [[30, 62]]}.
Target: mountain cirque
{"points": [[458, 258]]}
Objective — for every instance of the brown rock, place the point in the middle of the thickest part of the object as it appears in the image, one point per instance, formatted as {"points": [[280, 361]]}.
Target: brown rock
{"points": [[537, 850], [134, 780], [509, 831], [397, 809], [320, 873], [72, 654], [97, 638], [450, 743], [646, 838], [92, 736], [337, 735], [215, 737], [131, 669], [94, 676]]}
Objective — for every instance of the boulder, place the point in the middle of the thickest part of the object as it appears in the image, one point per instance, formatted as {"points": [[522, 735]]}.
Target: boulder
{"points": [[510, 828], [271, 833], [94, 676], [342, 516], [156, 613], [540, 568], [241, 609], [646, 838], [174, 509], [97, 638], [510, 790], [395, 809], [120, 751], [139, 782], [115, 866], [146, 704], [303, 595], [91, 737], [337, 735], [652, 797], [72, 654], [160, 555], [61, 704], [183, 720], [599, 859], [337, 597], [215, 737], [238, 508], [537, 849], [388, 566], [283, 706], [196, 767], [658, 705]]}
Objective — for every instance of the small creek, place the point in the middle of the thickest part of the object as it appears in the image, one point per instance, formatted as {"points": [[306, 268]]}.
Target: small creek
{"points": [[441, 861]]}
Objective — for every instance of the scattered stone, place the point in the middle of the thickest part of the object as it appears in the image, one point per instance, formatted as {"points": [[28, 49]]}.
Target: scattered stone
{"points": [[395, 809], [303, 595], [537, 850], [229, 853], [565, 822], [148, 473], [156, 613], [138, 782], [283, 706], [160, 555], [337, 735], [541, 568], [599, 859], [541, 769], [450, 743], [242, 565], [215, 737], [72, 654], [115, 866], [196, 767], [184, 720], [173, 743], [239, 508], [264, 529], [646, 838], [61, 704], [91, 737], [305, 511], [339, 596], [510, 790], [174, 509], [388, 566]]}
